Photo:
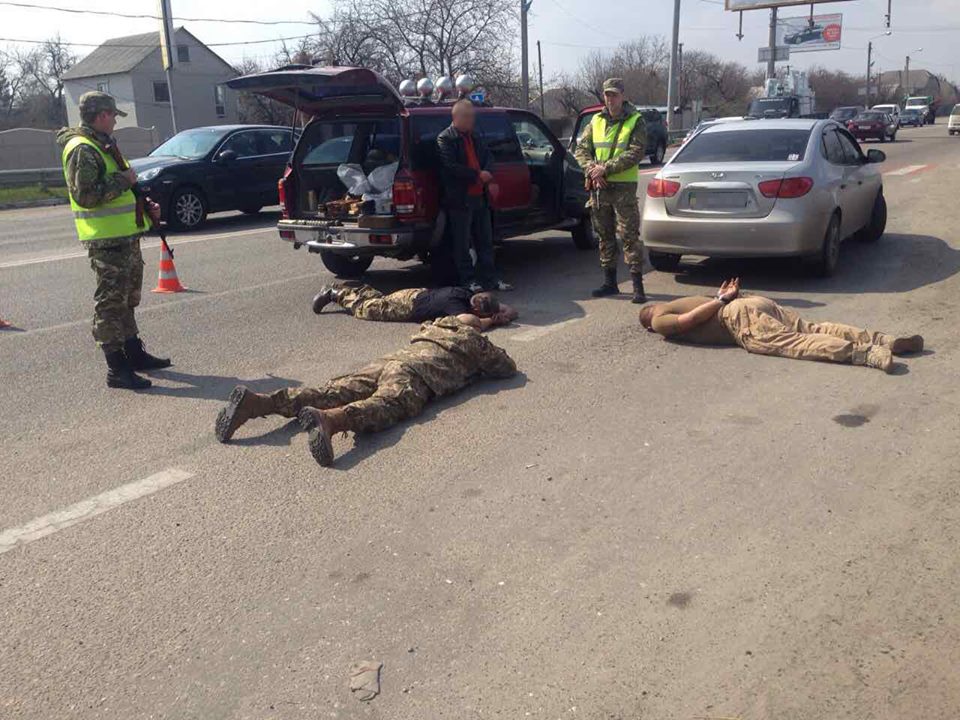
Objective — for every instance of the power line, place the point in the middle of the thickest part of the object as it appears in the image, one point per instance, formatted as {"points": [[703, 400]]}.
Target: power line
{"points": [[153, 45], [147, 16]]}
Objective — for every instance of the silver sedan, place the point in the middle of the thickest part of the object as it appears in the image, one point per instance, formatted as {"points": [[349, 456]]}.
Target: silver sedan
{"points": [[765, 189]]}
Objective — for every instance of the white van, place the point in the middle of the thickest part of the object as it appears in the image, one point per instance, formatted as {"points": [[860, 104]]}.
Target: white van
{"points": [[892, 110], [953, 124]]}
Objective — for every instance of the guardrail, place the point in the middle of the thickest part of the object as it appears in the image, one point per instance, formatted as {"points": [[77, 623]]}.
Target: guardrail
{"points": [[44, 177]]}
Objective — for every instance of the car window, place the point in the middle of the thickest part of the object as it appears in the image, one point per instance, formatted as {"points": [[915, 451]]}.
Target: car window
{"points": [[851, 151], [244, 144], [274, 142], [498, 134], [423, 139], [370, 143], [832, 149], [753, 145], [536, 145], [191, 144]]}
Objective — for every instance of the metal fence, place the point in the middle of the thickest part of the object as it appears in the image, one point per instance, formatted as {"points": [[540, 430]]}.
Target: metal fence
{"points": [[43, 177]]}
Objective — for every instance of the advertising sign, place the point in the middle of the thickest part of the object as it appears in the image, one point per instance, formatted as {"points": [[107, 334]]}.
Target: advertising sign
{"points": [[800, 35], [735, 5]]}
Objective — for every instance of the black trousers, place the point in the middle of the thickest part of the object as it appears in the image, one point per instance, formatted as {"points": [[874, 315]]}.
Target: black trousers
{"points": [[473, 223]]}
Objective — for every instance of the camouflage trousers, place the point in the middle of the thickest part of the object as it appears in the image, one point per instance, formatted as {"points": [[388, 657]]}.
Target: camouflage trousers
{"points": [[759, 325], [368, 303], [119, 273], [373, 399], [617, 214]]}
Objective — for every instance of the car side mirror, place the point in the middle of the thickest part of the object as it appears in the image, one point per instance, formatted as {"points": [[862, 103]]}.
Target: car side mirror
{"points": [[876, 156], [227, 156]]}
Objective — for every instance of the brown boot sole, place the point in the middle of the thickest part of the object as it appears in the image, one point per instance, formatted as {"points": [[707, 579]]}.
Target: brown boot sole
{"points": [[906, 345], [321, 446], [227, 423]]}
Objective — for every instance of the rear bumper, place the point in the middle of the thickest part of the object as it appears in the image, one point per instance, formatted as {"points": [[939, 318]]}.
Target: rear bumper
{"points": [[780, 234], [350, 239], [868, 134]]}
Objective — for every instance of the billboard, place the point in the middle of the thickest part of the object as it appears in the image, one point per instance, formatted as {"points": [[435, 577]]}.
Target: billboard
{"points": [[800, 35], [760, 4]]}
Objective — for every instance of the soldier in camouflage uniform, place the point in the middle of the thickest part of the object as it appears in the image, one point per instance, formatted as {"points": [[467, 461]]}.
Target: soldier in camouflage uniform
{"points": [[480, 310], [609, 150], [110, 222], [445, 356]]}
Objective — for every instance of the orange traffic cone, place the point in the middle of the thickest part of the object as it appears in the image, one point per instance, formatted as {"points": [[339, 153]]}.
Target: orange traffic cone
{"points": [[168, 282], [4, 323]]}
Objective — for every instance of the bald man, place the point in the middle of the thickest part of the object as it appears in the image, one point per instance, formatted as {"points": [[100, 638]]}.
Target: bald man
{"points": [[465, 172], [759, 325]]}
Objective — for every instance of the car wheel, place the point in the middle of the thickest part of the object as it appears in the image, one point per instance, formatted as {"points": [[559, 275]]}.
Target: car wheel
{"points": [[188, 208], [878, 220], [658, 155], [583, 238], [346, 266], [824, 264], [664, 262], [251, 210]]}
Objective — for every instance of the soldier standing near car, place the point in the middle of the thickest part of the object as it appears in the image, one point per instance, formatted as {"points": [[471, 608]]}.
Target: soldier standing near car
{"points": [[110, 220], [609, 152]]}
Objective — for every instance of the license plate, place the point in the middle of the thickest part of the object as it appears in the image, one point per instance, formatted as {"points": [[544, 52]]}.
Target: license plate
{"points": [[718, 200]]}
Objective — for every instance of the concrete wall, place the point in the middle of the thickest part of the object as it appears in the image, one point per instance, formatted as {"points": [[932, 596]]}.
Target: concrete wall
{"points": [[25, 148], [194, 84], [120, 86]]}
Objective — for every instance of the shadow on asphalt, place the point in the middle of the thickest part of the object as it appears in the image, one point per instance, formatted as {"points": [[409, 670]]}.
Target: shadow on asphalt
{"points": [[233, 222], [895, 264], [211, 387]]}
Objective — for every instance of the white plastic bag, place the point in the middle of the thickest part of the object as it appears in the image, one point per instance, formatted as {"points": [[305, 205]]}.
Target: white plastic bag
{"points": [[381, 179], [353, 177]]}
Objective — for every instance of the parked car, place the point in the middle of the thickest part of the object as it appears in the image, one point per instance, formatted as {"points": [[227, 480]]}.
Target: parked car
{"points": [[845, 113], [873, 124], [357, 117], [953, 124], [213, 169], [657, 134], [788, 188], [891, 109], [915, 117]]}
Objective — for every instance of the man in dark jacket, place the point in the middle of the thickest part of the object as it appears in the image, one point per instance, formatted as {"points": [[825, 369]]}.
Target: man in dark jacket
{"points": [[465, 165]]}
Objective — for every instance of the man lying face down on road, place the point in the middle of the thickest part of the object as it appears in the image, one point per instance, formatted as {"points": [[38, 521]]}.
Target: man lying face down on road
{"points": [[759, 325], [479, 310], [445, 356]]}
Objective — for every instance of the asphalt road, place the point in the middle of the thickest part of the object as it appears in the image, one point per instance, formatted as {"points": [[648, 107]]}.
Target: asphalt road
{"points": [[631, 529]]}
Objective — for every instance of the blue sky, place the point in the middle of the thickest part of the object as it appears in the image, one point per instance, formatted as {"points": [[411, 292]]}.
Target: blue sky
{"points": [[568, 29]]}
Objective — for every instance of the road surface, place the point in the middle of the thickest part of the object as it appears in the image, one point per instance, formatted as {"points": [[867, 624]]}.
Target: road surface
{"points": [[630, 529]]}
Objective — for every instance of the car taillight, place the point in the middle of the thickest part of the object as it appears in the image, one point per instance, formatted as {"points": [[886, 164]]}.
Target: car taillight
{"points": [[282, 193], [786, 188], [659, 188], [404, 193]]}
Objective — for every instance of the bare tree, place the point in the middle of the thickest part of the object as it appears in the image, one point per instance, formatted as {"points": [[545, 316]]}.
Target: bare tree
{"points": [[722, 86], [641, 63], [43, 69], [256, 109]]}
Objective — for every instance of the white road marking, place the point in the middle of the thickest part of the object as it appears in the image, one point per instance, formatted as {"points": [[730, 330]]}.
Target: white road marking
{"points": [[175, 241], [908, 170], [89, 508], [536, 332]]}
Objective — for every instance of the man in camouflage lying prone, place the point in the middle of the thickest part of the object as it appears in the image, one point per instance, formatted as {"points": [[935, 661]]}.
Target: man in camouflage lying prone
{"points": [[445, 356]]}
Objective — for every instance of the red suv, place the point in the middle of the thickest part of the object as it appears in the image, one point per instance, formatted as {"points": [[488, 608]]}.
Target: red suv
{"points": [[357, 117]]}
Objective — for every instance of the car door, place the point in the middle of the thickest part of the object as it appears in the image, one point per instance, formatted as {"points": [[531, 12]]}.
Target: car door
{"points": [[839, 178], [863, 179], [544, 158], [275, 146], [236, 181], [510, 171]]}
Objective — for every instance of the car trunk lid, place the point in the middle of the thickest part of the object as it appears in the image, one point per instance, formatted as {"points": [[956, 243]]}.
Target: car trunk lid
{"points": [[720, 190], [315, 90]]}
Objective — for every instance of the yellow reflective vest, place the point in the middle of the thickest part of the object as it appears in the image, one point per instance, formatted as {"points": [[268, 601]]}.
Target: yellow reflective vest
{"points": [[114, 219], [606, 146]]}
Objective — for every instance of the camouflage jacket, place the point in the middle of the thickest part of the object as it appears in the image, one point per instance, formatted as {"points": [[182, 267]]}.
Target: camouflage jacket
{"points": [[636, 148], [87, 178], [448, 355]]}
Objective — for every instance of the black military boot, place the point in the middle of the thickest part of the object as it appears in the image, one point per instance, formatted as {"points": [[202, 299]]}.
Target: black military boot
{"points": [[323, 298], [120, 374], [139, 358], [609, 286], [639, 296]]}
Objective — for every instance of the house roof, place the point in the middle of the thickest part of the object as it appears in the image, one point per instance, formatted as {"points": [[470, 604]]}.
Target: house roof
{"points": [[123, 54]]}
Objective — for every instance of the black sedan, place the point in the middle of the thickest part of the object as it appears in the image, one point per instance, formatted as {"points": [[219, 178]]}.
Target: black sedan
{"points": [[213, 169]]}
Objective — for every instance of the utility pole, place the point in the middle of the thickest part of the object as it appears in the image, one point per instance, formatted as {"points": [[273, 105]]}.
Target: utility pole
{"points": [[889, 10], [543, 112], [869, 68], [166, 54], [772, 62], [672, 75], [524, 61]]}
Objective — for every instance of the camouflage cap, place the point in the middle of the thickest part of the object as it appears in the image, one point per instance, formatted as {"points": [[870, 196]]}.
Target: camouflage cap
{"points": [[94, 102], [613, 85]]}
